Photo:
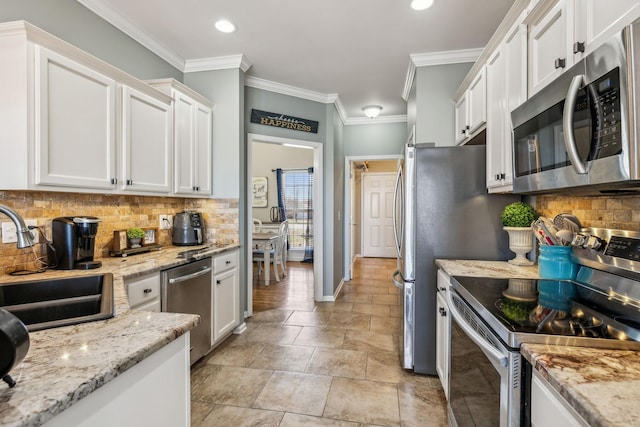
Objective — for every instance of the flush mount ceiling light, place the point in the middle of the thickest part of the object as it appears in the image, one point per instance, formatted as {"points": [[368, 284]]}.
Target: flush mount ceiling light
{"points": [[225, 26], [421, 4], [371, 111]]}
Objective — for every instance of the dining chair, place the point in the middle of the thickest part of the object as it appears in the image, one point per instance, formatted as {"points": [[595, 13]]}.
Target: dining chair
{"points": [[276, 254]]}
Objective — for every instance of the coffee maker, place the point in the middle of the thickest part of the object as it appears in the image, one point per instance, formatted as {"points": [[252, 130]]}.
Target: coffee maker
{"points": [[74, 239]]}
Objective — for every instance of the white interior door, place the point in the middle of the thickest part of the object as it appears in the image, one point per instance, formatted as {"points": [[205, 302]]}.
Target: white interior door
{"points": [[377, 208]]}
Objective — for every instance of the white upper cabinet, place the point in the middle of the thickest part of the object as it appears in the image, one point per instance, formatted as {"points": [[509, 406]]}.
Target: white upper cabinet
{"points": [[68, 128], [506, 90], [470, 109], [147, 141], [561, 32], [549, 35], [192, 138], [75, 124]]}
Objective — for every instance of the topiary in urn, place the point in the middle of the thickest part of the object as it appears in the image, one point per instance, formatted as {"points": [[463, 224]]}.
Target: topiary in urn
{"points": [[517, 218], [135, 236]]}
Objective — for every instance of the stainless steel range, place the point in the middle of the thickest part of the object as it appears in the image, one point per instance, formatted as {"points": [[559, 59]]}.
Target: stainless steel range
{"points": [[492, 317]]}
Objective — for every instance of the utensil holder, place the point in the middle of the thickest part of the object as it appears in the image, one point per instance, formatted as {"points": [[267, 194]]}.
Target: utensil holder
{"points": [[555, 263]]}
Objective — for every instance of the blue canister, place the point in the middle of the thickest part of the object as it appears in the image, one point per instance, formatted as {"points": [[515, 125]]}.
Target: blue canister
{"points": [[555, 263]]}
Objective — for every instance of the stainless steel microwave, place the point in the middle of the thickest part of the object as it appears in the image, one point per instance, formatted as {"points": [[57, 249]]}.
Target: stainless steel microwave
{"points": [[580, 133]]}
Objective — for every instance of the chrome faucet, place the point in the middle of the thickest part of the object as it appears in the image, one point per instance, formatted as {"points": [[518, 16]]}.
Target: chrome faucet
{"points": [[25, 238]]}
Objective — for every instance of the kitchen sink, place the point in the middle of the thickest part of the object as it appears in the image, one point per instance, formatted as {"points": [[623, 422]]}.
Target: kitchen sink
{"points": [[50, 303]]}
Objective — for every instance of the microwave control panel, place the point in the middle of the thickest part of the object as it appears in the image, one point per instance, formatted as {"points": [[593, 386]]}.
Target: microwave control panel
{"points": [[605, 113]]}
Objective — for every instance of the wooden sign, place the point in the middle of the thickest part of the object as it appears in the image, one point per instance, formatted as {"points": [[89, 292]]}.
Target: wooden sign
{"points": [[283, 121]]}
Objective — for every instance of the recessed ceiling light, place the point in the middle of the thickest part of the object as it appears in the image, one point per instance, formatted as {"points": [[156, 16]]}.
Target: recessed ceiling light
{"points": [[371, 111], [421, 4], [225, 26]]}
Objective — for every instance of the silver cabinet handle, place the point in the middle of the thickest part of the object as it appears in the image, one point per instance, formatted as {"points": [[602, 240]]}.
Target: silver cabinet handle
{"points": [[567, 125], [560, 63], [578, 47], [147, 291]]}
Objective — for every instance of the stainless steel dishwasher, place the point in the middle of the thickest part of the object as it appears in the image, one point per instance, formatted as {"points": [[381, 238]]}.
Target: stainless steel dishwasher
{"points": [[187, 289]]}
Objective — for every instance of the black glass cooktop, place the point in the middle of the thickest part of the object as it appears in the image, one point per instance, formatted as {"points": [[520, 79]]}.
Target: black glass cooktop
{"points": [[528, 307]]}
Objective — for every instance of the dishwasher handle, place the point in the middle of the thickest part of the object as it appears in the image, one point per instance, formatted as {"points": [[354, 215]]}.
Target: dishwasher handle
{"points": [[190, 276]]}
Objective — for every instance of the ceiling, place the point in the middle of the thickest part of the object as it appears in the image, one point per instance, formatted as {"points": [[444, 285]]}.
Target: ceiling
{"points": [[356, 51]]}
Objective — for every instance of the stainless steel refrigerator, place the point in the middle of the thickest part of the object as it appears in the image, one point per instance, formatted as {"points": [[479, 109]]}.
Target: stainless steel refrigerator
{"points": [[442, 211]]}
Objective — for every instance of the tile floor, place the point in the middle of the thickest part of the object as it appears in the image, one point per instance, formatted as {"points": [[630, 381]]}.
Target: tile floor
{"points": [[319, 364]]}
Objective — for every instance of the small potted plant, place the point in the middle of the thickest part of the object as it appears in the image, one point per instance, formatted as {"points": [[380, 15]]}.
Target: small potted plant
{"points": [[135, 236], [516, 219]]}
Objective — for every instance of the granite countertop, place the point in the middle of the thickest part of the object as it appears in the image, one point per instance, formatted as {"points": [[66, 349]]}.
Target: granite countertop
{"points": [[602, 385], [65, 364]]}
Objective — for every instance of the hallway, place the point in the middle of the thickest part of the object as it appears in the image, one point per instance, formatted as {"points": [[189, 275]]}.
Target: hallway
{"points": [[317, 364]]}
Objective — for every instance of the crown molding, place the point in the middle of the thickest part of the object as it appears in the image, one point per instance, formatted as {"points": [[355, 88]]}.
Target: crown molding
{"points": [[376, 121], [284, 89], [217, 63], [107, 13], [436, 58]]}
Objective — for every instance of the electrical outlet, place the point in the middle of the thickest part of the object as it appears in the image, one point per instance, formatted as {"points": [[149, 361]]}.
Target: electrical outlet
{"points": [[9, 231], [165, 222]]}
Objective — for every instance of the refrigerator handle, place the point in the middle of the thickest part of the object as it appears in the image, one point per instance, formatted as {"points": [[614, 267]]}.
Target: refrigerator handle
{"points": [[397, 284], [396, 194]]}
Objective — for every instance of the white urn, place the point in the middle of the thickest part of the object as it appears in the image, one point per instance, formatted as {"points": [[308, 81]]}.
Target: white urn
{"points": [[521, 243]]}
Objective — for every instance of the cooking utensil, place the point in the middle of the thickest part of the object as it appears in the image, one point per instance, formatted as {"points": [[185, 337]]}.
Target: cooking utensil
{"points": [[547, 229], [565, 236], [14, 344], [566, 221]]}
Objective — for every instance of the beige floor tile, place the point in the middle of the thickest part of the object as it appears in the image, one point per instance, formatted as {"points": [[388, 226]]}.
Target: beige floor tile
{"points": [[391, 325], [230, 385], [369, 341], [373, 309], [385, 367], [395, 311], [333, 306], [363, 401], [283, 358], [271, 333], [223, 416], [355, 297], [199, 412], [277, 315], [308, 318], [320, 337], [343, 320], [366, 288], [338, 363], [234, 354], [384, 299], [295, 392], [299, 305], [422, 405], [295, 420]]}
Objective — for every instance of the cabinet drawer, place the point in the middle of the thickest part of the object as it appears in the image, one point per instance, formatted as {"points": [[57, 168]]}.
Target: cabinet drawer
{"points": [[225, 262], [143, 289]]}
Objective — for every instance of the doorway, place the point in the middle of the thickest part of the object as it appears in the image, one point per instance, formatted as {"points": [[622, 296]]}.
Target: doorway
{"points": [[355, 168], [316, 148]]}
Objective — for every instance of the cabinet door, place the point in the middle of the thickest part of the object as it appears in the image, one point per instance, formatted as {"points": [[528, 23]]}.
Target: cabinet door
{"points": [[184, 151], [443, 332], [461, 119], [146, 143], [496, 118], [548, 40], [548, 408], [597, 20], [75, 138], [226, 293], [203, 144], [477, 101]]}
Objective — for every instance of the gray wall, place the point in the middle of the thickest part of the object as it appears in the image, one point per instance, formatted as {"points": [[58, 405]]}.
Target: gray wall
{"points": [[435, 86], [375, 139], [75, 24], [338, 198]]}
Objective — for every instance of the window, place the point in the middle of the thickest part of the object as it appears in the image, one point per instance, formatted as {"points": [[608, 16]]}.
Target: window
{"points": [[297, 194]]}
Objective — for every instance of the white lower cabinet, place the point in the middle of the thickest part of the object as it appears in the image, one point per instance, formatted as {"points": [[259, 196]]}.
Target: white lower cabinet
{"points": [[225, 295], [156, 392], [443, 332], [548, 408], [144, 292]]}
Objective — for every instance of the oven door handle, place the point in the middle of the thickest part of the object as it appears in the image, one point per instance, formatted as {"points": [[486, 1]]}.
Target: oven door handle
{"points": [[567, 125], [490, 351]]}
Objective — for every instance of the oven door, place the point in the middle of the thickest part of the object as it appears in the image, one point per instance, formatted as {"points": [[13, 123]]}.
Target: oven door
{"points": [[485, 377]]}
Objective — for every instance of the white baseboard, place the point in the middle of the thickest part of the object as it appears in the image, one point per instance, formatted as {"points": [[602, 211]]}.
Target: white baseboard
{"points": [[240, 328]]}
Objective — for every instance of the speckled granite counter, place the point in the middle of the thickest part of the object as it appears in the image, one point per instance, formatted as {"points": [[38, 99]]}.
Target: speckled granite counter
{"points": [[66, 364], [498, 269], [603, 386]]}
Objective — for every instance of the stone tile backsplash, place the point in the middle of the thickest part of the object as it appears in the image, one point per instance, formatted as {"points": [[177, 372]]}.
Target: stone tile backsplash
{"points": [[618, 212], [117, 213]]}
